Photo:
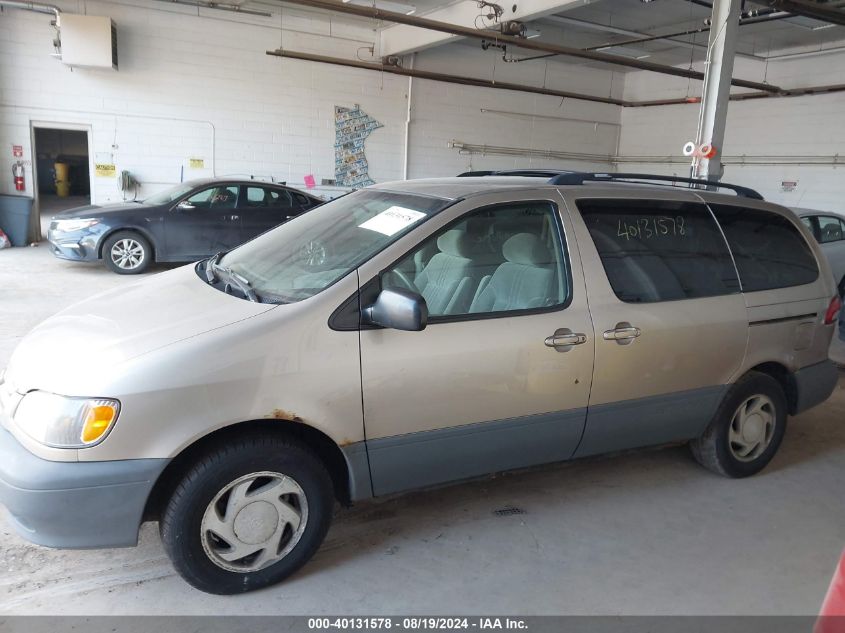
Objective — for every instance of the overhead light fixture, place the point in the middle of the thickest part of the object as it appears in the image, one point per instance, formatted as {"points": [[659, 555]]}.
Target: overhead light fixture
{"points": [[530, 34], [387, 5], [626, 51]]}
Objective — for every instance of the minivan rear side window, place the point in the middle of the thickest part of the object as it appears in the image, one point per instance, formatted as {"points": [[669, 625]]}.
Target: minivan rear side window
{"points": [[768, 248], [660, 250]]}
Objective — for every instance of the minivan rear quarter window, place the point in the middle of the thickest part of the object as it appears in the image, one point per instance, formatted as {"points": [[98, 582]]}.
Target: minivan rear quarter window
{"points": [[660, 250], [768, 248]]}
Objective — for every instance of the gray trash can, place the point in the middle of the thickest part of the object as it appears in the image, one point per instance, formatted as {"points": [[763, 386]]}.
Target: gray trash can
{"points": [[15, 213]]}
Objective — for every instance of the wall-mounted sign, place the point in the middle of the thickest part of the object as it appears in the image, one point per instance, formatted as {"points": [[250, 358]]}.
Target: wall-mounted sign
{"points": [[196, 163], [310, 182], [17, 151], [788, 185], [104, 170], [352, 127]]}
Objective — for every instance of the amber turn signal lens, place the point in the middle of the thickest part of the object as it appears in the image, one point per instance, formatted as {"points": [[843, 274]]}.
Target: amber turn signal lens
{"points": [[97, 422]]}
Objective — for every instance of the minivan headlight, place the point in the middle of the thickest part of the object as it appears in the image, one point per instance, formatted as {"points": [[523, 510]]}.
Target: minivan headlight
{"points": [[63, 422]]}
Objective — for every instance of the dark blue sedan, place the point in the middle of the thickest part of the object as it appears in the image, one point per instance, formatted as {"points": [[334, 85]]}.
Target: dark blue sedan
{"points": [[190, 221]]}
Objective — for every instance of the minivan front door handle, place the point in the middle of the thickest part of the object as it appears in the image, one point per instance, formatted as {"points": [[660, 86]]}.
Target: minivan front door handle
{"points": [[624, 333], [564, 338]]}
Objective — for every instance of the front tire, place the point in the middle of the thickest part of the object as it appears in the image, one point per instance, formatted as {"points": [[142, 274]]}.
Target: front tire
{"points": [[127, 253], [247, 515], [747, 429]]}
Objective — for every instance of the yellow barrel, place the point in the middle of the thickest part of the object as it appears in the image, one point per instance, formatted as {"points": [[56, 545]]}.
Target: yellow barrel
{"points": [[62, 179]]}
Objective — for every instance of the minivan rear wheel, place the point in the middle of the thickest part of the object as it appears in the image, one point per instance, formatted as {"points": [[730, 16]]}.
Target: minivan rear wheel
{"points": [[247, 515], [747, 429]]}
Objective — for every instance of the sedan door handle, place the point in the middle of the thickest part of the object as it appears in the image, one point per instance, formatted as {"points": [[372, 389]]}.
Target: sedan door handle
{"points": [[624, 333], [564, 338]]}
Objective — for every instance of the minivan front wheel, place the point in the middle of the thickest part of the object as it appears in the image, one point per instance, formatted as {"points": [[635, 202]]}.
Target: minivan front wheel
{"points": [[247, 515], [747, 429]]}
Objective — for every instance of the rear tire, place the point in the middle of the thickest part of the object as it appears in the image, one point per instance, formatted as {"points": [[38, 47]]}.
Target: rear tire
{"points": [[747, 429], [127, 253], [248, 514]]}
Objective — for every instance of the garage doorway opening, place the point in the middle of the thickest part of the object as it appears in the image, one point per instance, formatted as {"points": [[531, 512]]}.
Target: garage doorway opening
{"points": [[62, 171]]}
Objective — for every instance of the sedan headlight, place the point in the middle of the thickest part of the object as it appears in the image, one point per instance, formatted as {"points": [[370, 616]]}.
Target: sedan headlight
{"points": [[68, 226], [63, 422]]}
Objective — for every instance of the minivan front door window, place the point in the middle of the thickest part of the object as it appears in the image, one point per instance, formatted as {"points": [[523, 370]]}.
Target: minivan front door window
{"points": [[496, 260]]}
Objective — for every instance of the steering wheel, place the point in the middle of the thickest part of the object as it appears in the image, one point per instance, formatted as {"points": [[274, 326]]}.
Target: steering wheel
{"points": [[406, 281]]}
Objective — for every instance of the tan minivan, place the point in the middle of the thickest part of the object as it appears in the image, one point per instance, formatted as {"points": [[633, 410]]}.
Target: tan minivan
{"points": [[408, 335]]}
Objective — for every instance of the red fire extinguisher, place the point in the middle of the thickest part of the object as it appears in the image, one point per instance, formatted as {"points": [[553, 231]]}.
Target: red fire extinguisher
{"points": [[17, 172]]}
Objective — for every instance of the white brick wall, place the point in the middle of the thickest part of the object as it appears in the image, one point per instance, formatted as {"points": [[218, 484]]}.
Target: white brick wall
{"points": [[794, 126], [201, 86]]}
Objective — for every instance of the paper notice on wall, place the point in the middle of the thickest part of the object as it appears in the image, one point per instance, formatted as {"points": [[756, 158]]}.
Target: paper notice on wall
{"points": [[310, 182], [392, 220], [104, 170], [788, 185], [196, 163]]}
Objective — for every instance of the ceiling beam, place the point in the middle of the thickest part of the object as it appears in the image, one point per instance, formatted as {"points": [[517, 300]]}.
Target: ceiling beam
{"points": [[401, 39], [807, 8], [601, 28], [518, 42]]}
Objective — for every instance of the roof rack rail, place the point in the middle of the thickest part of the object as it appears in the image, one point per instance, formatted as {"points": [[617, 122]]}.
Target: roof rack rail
{"points": [[579, 178], [527, 173], [472, 174]]}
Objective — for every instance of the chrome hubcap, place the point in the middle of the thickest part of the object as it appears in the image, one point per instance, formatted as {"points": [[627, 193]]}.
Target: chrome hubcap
{"points": [[752, 428], [254, 521], [127, 254]]}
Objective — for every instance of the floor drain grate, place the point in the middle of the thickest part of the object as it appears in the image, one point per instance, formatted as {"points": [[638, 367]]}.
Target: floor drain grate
{"points": [[506, 512]]}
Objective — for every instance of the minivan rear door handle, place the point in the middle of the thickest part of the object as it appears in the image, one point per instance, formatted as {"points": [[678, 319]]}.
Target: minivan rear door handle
{"points": [[563, 339], [624, 333]]}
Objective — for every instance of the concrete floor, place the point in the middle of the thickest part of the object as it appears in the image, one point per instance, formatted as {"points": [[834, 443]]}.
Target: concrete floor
{"points": [[644, 533]]}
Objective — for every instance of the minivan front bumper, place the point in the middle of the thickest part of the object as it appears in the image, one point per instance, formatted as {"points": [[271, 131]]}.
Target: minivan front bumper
{"points": [[74, 504]]}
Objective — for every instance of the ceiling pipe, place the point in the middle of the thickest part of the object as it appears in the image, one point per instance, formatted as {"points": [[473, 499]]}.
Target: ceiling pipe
{"points": [[793, 92], [219, 6], [769, 17], [453, 79], [472, 33], [640, 37], [808, 9], [32, 6], [483, 83]]}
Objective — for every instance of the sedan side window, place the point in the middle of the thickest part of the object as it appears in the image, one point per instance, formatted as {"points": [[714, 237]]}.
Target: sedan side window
{"points": [[495, 260], [264, 197], [219, 197], [831, 229]]}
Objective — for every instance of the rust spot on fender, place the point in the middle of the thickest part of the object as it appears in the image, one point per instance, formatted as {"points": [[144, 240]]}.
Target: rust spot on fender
{"points": [[345, 442], [281, 414]]}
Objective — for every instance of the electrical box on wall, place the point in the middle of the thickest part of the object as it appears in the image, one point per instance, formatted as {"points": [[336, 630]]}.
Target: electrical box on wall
{"points": [[88, 41]]}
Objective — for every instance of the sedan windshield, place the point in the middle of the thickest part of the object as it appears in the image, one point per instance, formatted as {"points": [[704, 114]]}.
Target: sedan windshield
{"points": [[308, 254], [170, 195]]}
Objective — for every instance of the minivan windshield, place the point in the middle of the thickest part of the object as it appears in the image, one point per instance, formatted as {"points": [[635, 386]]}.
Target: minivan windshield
{"points": [[302, 257]]}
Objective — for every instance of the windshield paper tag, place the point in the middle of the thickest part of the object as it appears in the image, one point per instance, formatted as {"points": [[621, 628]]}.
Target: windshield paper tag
{"points": [[392, 220]]}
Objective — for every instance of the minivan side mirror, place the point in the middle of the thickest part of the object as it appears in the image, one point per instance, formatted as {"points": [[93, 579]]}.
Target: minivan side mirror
{"points": [[398, 309], [185, 206]]}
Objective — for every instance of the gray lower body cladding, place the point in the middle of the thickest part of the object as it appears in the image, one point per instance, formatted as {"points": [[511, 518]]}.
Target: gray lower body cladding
{"points": [[74, 504]]}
